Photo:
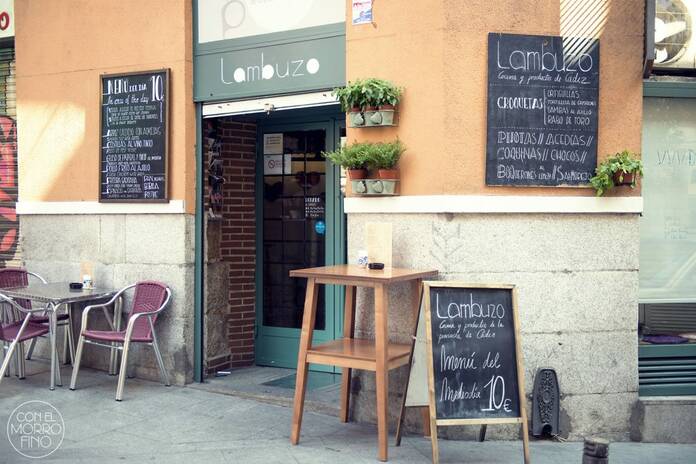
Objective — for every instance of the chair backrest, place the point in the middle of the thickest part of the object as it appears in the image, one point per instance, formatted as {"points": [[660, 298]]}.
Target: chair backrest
{"points": [[149, 296], [15, 277]]}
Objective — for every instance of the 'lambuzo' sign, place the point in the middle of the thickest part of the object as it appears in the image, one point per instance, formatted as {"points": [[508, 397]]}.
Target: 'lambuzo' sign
{"points": [[266, 71]]}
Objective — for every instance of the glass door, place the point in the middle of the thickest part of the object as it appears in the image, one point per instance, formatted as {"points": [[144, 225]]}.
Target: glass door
{"points": [[297, 219]]}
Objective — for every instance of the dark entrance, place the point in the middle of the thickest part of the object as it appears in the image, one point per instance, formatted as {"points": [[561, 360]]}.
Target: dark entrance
{"points": [[300, 223]]}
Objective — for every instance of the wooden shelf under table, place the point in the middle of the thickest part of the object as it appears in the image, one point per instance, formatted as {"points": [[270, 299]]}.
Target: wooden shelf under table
{"points": [[357, 353]]}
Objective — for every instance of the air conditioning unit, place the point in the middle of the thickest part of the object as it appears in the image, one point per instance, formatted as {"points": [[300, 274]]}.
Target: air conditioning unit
{"points": [[675, 41]]}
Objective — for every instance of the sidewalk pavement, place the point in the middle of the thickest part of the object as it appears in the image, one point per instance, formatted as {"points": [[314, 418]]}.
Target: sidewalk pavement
{"points": [[155, 424]]}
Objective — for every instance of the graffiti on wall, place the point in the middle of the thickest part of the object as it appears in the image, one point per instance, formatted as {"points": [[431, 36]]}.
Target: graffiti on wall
{"points": [[9, 226]]}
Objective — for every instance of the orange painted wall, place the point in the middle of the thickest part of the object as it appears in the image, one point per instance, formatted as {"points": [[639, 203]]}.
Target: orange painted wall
{"points": [[62, 47], [437, 51]]}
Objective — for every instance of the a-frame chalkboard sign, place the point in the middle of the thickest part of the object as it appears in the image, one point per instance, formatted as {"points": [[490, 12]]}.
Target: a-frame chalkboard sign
{"points": [[466, 363]]}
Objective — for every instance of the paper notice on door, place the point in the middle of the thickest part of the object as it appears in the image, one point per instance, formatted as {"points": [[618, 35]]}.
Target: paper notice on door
{"points": [[378, 236], [273, 144], [272, 165]]}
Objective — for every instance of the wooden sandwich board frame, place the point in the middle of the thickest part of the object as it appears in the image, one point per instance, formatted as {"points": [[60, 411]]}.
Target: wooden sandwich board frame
{"points": [[433, 421]]}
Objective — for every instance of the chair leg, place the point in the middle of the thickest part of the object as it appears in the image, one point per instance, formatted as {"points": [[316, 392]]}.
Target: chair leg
{"points": [[9, 353], [65, 344], [5, 363], [4, 355], [123, 372], [59, 379], [76, 363], [21, 371], [160, 361], [30, 352], [130, 369], [71, 339]]}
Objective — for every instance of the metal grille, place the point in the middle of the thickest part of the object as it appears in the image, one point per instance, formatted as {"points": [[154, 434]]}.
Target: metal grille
{"points": [[667, 370], [9, 223], [669, 318]]}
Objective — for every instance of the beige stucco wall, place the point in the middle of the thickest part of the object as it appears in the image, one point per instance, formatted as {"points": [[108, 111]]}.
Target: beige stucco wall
{"points": [[62, 48], [437, 51], [577, 303]]}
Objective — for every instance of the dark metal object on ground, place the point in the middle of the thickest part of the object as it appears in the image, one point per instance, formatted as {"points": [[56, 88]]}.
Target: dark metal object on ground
{"points": [[482, 433], [596, 451], [545, 403]]}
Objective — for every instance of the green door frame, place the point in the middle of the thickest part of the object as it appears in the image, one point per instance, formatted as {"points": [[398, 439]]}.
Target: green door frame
{"points": [[283, 352], [198, 293], [666, 361]]}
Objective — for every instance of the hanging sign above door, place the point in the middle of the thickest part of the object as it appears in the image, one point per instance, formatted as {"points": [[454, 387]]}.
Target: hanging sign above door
{"points": [[543, 98]]}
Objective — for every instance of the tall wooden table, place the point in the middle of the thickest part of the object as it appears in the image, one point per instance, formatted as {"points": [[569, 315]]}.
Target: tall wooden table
{"points": [[349, 353]]}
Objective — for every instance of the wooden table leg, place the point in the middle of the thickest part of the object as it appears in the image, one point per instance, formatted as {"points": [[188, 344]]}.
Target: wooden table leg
{"points": [[310, 312], [382, 372], [348, 332]]}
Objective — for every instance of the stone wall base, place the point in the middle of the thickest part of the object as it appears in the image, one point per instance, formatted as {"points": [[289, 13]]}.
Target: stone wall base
{"points": [[122, 249], [577, 280], [665, 419]]}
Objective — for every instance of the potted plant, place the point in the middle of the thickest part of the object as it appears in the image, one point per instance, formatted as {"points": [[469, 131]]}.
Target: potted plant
{"points": [[619, 169], [353, 158], [384, 157], [369, 102], [381, 98], [387, 105], [352, 102]]}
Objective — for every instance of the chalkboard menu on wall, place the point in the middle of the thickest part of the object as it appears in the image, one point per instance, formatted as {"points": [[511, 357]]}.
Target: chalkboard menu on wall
{"points": [[134, 133], [543, 95], [474, 353]]}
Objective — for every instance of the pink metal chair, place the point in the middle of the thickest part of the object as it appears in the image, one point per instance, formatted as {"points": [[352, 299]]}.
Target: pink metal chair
{"points": [[19, 277], [16, 328], [150, 299]]}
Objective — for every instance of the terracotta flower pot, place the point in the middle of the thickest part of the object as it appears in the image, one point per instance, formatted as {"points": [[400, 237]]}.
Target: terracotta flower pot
{"points": [[628, 178], [356, 174], [388, 173]]}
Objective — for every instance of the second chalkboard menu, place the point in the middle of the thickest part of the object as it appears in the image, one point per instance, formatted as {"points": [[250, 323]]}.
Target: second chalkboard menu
{"points": [[543, 96], [474, 353], [466, 365], [134, 137]]}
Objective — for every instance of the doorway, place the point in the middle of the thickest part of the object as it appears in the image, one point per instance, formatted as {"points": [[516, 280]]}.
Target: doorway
{"points": [[299, 223], [272, 203]]}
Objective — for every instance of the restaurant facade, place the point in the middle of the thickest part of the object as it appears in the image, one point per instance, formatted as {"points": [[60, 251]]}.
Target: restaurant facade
{"points": [[248, 196]]}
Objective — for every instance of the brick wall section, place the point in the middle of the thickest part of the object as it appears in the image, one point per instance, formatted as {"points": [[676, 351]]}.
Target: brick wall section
{"points": [[238, 243]]}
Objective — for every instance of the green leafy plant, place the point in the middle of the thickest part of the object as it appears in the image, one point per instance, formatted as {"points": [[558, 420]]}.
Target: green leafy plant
{"points": [[385, 155], [350, 96], [353, 156], [619, 164], [367, 92], [380, 92]]}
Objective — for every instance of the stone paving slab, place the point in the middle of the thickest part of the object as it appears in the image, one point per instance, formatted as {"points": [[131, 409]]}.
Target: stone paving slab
{"points": [[156, 424]]}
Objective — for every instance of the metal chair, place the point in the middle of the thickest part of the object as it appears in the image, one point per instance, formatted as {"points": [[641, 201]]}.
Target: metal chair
{"points": [[150, 299], [17, 328], [19, 277]]}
